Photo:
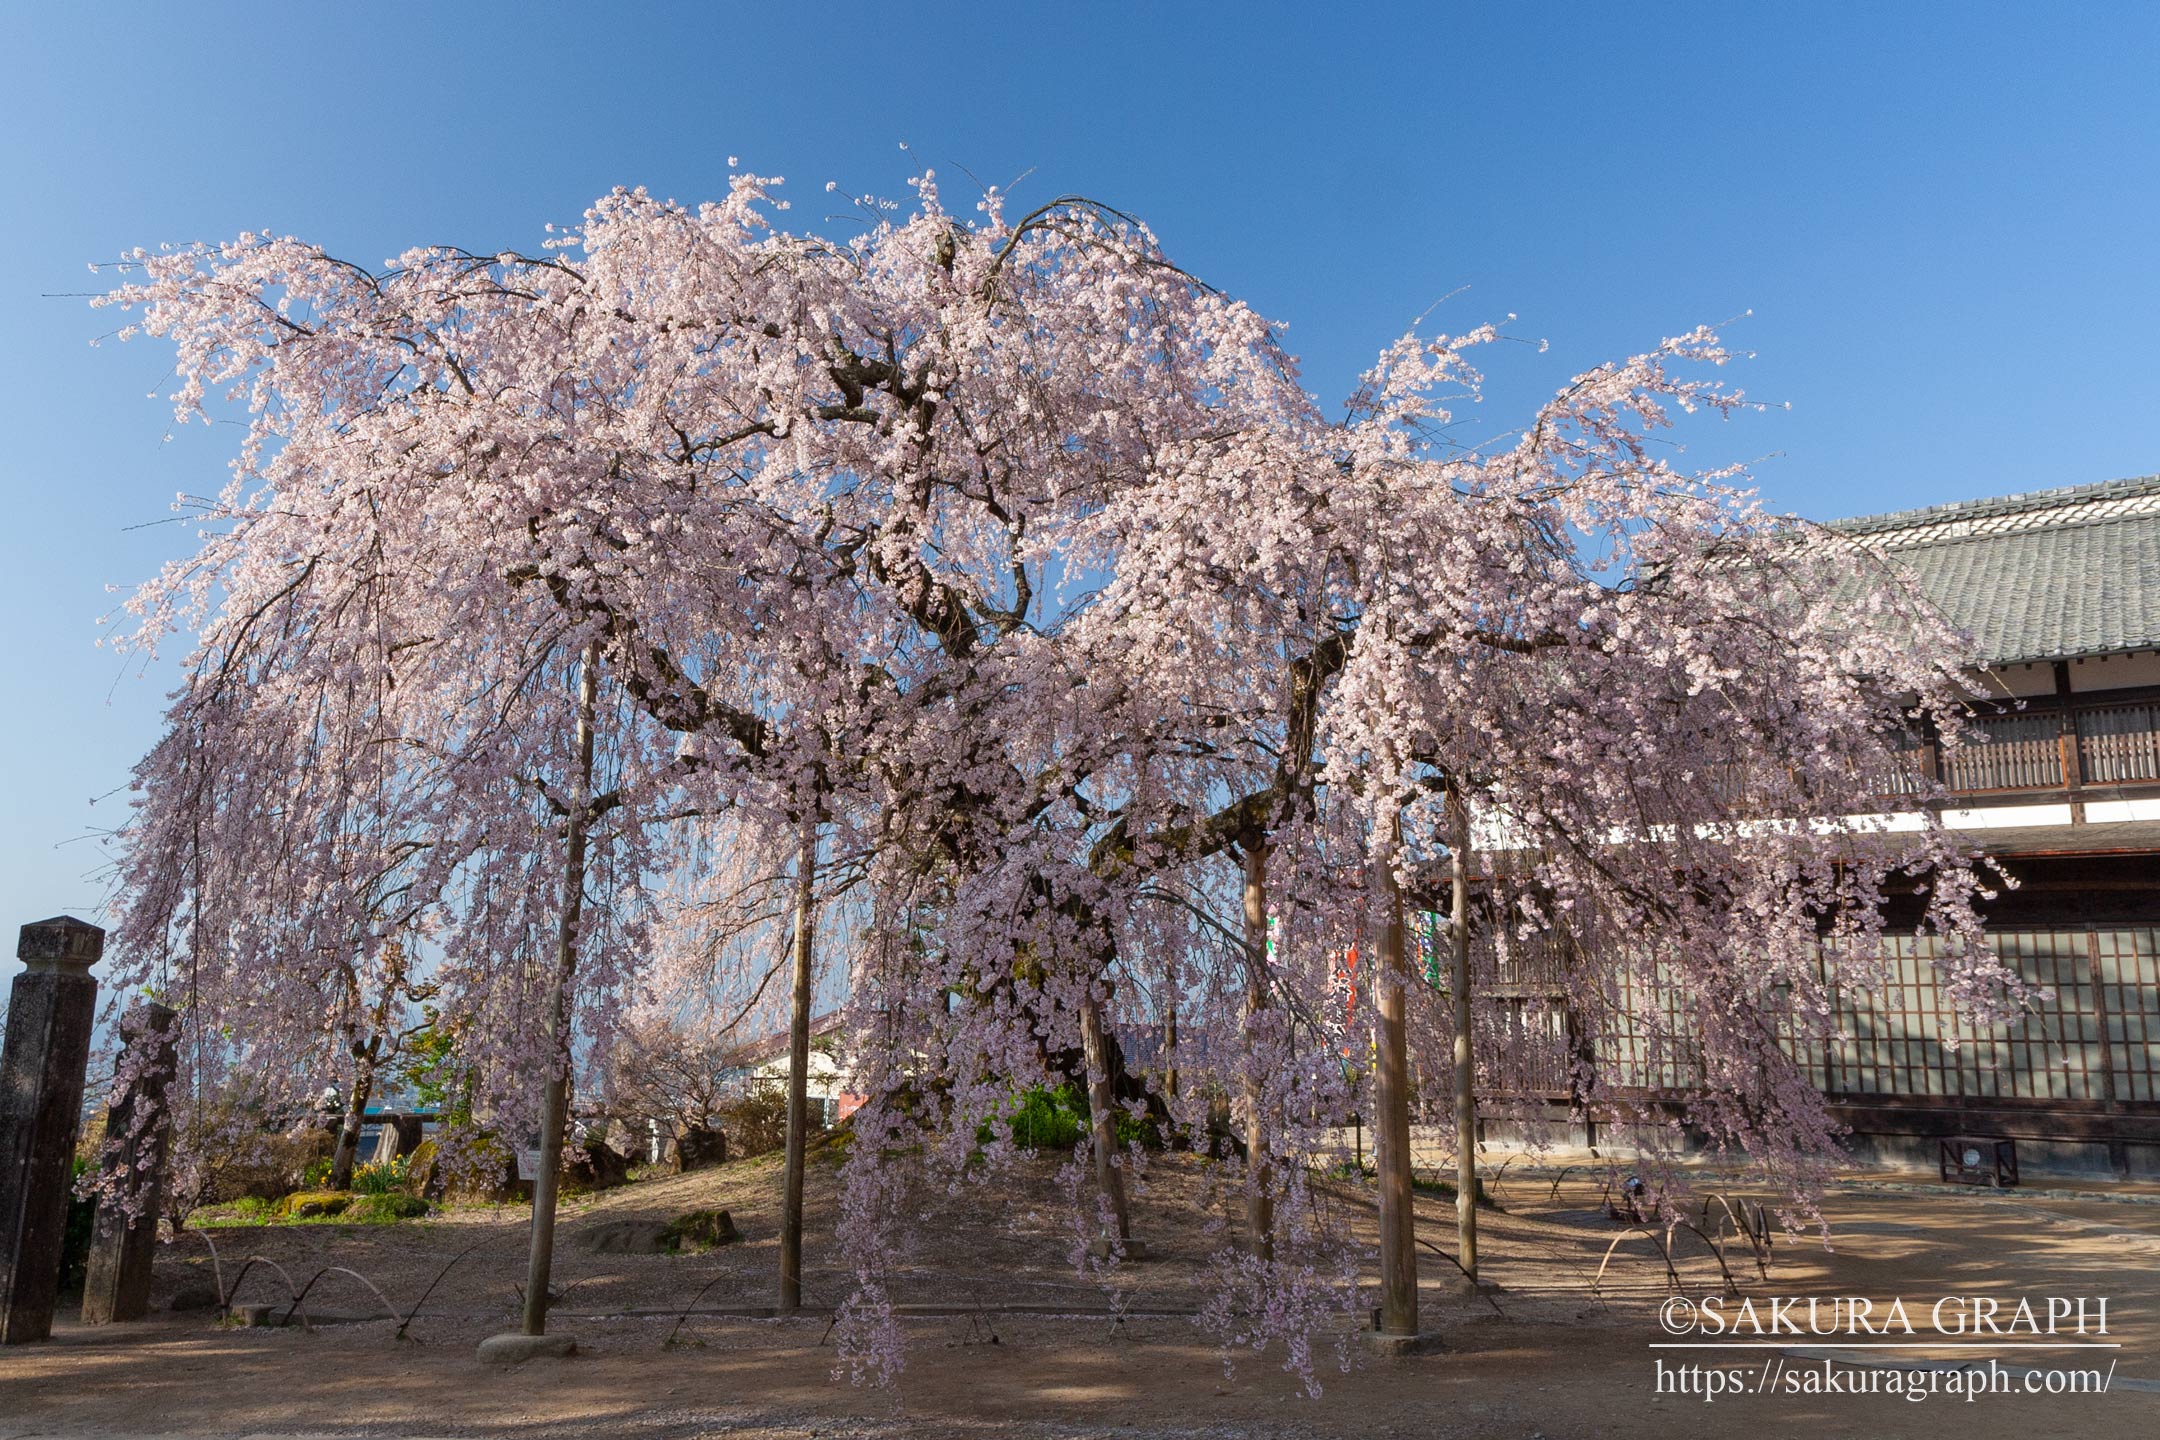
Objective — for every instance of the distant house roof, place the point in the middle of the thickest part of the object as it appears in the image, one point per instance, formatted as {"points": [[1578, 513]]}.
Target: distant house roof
{"points": [[2038, 576]]}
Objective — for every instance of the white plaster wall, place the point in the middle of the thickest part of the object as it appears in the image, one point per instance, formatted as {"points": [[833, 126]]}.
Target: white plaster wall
{"points": [[2115, 672]]}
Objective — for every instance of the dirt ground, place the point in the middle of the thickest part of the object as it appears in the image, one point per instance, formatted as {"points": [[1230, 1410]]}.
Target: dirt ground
{"points": [[1007, 1339]]}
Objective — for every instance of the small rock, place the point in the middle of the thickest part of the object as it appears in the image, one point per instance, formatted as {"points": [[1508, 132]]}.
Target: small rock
{"points": [[702, 1230], [516, 1349], [1425, 1343], [193, 1296]]}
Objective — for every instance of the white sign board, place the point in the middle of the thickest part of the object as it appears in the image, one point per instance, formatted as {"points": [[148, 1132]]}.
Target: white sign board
{"points": [[529, 1164]]}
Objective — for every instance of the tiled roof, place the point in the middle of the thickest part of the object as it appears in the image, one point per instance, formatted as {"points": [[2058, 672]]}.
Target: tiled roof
{"points": [[2043, 575]]}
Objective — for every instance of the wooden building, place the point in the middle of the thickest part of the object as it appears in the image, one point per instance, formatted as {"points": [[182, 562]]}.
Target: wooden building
{"points": [[2061, 590]]}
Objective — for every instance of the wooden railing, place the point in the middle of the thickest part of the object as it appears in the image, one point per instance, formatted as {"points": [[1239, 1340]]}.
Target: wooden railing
{"points": [[2119, 744], [2056, 748], [2008, 752]]}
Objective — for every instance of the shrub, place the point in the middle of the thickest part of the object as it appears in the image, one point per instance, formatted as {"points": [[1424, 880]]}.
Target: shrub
{"points": [[1056, 1118], [1047, 1119], [755, 1121], [225, 1152], [1143, 1132], [469, 1163]]}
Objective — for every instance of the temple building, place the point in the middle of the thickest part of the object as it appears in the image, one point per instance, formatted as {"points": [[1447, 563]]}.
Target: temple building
{"points": [[2061, 591]]}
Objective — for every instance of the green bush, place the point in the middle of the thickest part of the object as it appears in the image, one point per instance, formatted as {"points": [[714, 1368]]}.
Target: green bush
{"points": [[248, 1210], [755, 1122], [1047, 1119]]}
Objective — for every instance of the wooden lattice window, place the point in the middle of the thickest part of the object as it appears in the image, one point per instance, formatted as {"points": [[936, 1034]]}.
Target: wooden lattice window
{"points": [[2128, 962], [1892, 1037]]}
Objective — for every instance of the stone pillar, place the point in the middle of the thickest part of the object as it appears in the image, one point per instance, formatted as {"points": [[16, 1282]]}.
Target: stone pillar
{"points": [[138, 1126], [50, 1012]]}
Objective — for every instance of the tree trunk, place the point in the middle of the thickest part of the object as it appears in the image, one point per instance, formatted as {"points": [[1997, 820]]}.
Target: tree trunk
{"points": [[1259, 1176], [1391, 1103], [1465, 1065], [348, 1140], [798, 1089], [554, 1099], [1102, 1112]]}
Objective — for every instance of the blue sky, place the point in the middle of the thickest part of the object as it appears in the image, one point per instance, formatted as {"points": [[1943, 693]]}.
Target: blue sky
{"points": [[1943, 218]]}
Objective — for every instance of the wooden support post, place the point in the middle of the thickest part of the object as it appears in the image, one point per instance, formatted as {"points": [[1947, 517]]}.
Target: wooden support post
{"points": [[2118, 1152], [1466, 1124], [1259, 1178], [555, 1098], [1391, 1102], [804, 951], [2067, 746]]}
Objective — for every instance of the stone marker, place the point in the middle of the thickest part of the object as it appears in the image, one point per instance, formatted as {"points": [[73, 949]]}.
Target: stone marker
{"points": [[700, 1148], [193, 1295], [138, 1126], [50, 1012]]}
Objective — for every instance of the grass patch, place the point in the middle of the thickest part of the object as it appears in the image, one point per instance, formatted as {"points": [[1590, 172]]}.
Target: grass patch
{"points": [[1445, 1189], [313, 1207], [384, 1209]]}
